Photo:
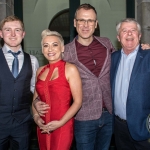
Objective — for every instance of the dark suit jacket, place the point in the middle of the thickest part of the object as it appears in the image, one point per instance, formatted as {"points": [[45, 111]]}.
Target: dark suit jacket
{"points": [[138, 99]]}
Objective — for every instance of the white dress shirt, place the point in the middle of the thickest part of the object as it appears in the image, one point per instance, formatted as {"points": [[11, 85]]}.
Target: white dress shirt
{"points": [[122, 82], [9, 58]]}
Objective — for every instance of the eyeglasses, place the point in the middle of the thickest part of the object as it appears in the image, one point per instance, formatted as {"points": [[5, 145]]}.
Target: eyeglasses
{"points": [[83, 21]]}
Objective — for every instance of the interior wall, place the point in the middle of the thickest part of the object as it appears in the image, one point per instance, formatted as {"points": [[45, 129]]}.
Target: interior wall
{"points": [[109, 13], [37, 15]]}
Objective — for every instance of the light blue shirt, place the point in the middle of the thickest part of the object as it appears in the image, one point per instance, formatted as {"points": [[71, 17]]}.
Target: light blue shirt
{"points": [[122, 82]]}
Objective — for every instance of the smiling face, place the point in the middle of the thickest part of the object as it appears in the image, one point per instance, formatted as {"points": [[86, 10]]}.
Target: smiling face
{"points": [[129, 36], [12, 34], [52, 48], [85, 31]]}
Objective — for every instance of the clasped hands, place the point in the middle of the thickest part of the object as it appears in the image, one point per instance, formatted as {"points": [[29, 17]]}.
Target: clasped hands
{"points": [[42, 108]]}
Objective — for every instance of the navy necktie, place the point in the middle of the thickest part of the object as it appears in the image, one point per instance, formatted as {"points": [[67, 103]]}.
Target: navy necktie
{"points": [[15, 64]]}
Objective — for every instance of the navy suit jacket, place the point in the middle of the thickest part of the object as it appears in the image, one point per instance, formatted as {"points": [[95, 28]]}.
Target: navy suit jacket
{"points": [[138, 99]]}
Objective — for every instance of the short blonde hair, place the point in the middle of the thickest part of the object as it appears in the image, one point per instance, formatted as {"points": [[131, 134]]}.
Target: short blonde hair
{"points": [[10, 19], [47, 32]]}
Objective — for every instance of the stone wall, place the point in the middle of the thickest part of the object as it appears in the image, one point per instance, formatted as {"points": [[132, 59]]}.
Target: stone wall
{"points": [[143, 17], [6, 9]]}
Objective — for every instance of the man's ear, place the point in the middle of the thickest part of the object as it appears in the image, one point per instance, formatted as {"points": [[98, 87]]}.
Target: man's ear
{"points": [[140, 36], [24, 33], [96, 24], [1, 36], [75, 22], [118, 38]]}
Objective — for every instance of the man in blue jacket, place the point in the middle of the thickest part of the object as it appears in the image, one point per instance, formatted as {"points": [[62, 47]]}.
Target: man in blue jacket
{"points": [[130, 83]]}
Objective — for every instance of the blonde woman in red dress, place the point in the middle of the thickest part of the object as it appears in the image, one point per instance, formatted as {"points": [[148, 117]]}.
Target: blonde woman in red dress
{"points": [[59, 85]]}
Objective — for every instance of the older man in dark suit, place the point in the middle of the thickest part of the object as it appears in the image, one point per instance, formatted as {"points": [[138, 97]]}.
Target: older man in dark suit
{"points": [[130, 81]]}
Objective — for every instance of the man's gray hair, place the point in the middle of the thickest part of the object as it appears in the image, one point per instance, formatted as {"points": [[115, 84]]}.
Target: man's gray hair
{"points": [[128, 20]]}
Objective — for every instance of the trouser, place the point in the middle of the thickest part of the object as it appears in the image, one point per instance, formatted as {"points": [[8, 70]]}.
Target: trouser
{"points": [[123, 139], [15, 135], [94, 134]]}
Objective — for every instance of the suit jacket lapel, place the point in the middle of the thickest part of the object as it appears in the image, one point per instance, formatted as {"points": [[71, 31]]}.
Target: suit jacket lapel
{"points": [[137, 63]]}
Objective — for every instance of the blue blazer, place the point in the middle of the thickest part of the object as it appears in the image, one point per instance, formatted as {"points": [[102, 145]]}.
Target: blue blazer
{"points": [[138, 99]]}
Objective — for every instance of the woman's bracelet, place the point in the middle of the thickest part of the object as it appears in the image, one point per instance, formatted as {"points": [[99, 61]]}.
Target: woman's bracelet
{"points": [[35, 115], [36, 99]]}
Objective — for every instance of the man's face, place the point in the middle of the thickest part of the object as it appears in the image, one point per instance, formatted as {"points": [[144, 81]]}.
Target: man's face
{"points": [[12, 34], [129, 36], [85, 30]]}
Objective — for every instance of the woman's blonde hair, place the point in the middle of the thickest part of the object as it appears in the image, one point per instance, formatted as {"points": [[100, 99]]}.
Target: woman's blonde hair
{"points": [[47, 32]]}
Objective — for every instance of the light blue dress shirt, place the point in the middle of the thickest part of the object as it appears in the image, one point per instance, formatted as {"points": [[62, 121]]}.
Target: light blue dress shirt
{"points": [[122, 82]]}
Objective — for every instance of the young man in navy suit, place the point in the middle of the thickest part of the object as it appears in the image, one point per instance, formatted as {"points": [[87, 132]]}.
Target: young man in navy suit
{"points": [[17, 78], [130, 83]]}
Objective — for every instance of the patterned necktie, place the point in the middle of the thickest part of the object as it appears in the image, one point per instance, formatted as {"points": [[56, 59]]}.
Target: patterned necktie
{"points": [[15, 64]]}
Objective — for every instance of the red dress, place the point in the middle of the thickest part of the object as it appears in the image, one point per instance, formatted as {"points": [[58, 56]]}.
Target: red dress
{"points": [[57, 94]]}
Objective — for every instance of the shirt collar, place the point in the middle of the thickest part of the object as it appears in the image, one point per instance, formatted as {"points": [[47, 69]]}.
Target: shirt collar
{"points": [[5, 49], [133, 52]]}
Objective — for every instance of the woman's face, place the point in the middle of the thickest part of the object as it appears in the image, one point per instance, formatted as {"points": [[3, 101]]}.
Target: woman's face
{"points": [[52, 48]]}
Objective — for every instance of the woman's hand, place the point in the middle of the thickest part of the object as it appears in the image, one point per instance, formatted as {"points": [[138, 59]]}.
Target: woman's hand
{"points": [[38, 120], [51, 126]]}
